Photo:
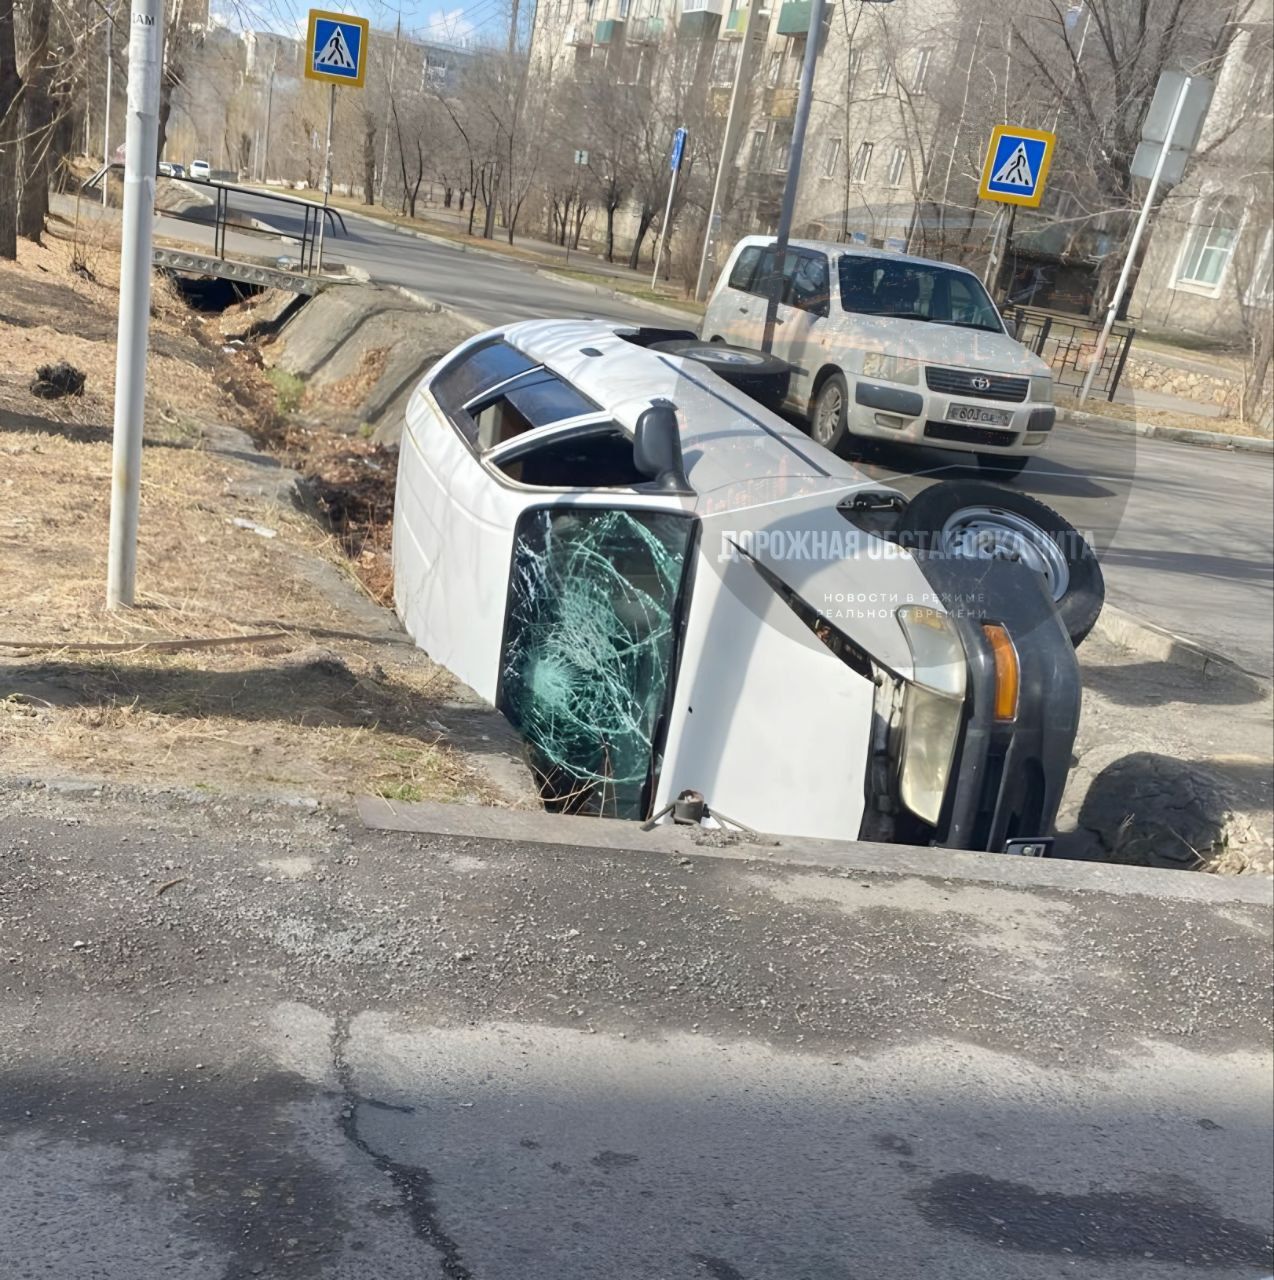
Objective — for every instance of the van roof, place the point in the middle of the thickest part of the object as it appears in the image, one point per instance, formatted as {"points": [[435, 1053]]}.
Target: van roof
{"points": [[737, 453], [835, 248]]}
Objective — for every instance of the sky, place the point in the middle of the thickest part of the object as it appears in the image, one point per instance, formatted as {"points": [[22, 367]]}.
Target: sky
{"points": [[448, 23]]}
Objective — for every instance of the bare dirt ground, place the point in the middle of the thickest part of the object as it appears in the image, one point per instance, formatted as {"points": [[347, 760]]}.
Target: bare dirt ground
{"points": [[254, 660]]}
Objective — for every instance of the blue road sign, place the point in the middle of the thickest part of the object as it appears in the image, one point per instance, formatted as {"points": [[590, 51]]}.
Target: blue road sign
{"points": [[337, 48], [1017, 162], [678, 150]]}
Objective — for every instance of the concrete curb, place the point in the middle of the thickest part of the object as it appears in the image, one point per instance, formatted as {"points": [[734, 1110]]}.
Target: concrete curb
{"points": [[1182, 435], [847, 856], [1149, 641]]}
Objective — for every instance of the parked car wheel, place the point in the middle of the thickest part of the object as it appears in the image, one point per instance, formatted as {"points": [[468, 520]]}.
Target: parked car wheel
{"points": [[759, 375], [1005, 467], [976, 519], [829, 420]]}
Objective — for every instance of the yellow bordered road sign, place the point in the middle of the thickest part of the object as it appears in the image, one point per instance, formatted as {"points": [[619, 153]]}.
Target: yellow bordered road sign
{"points": [[1017, 162], [336, 49]]}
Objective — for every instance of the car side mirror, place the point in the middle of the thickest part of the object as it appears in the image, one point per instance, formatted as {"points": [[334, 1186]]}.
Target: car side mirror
{"points": [[657, 448], [1010, 327]]}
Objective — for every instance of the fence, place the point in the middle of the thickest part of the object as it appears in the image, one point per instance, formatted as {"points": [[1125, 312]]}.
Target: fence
{"points": [[1069, 346]]}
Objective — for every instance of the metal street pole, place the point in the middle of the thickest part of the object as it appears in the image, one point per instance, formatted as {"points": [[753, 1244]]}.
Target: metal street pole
{"points": [[393, 71], [145, 58], [327, 174], [734, 122], [269, 113], [663, 229], [1118, 296], [806, 94], [106, 116]]}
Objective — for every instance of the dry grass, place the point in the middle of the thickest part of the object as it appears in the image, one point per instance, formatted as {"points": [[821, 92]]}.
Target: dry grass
{"points": [[251, 715]]}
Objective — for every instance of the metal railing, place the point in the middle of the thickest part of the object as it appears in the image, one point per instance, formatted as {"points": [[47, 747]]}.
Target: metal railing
{"points": [[1068, 346], [222, 219]]}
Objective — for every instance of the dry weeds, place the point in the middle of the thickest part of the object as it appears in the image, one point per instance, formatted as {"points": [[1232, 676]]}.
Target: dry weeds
{"points": [[258, 716]]}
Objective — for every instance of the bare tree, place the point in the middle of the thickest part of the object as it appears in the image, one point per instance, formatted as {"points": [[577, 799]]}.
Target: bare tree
{"points": [[10, 113]]}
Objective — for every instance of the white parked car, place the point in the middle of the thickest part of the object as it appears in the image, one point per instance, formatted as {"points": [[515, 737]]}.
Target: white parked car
{"points": [[665, 587], [200, 169], [890, 347]]}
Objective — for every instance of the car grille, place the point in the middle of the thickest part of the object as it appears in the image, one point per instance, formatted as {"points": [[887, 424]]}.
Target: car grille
{"points": [[962, 433], [959, 382]]}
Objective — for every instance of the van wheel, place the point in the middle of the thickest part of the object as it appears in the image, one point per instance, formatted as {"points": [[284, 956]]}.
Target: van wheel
{"points": [[986, 522], [829, 422], [758, 374]]}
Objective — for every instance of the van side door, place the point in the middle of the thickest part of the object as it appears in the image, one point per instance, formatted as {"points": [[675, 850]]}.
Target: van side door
{"points": [[802, 313]]}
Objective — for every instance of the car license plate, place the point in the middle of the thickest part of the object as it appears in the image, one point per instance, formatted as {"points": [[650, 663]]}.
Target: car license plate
{"points": [[976, 413]]}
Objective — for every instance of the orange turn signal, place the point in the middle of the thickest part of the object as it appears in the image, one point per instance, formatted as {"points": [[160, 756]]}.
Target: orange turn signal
{"points": [[1007, 675]]}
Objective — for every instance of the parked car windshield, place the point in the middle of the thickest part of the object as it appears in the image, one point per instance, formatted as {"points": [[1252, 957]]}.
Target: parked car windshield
{"points": [[916, 291]]}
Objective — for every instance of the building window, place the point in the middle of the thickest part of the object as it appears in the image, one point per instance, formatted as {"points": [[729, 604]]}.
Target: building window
{"points": [[1209, 243], [757, 151], [724, 61], [623, 9], [923, 60], [897, 166], [885, 78], [775, 69], [831, 157], [781, 147], [862, 162], [855, 64]]}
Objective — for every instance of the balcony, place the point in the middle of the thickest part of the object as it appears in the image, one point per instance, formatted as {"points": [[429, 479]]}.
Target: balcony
{"points": [[700, 18], [762, 186], [580, 35], [609, 31], [780, 103], [794, 18], [719, 100], [645, 31], [735, 24]]}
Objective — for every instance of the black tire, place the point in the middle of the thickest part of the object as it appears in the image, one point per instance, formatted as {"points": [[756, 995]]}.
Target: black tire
{"points": [[931, 514], [1003, 466], [761, 376], [829, 416]]}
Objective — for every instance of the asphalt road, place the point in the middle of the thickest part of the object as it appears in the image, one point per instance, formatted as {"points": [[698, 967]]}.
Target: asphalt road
{"points": [[1184, 532], [255, 1040]]}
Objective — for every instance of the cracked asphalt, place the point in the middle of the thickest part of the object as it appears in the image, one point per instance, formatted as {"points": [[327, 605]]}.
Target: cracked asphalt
{"points": [[243, 1040]]}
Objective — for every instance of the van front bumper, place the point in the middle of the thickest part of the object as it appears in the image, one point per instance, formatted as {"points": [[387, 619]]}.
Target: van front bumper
{"points": [[885, 411]]}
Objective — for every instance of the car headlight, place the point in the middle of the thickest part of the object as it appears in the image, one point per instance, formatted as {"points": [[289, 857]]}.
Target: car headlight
{"points": [[891, 368], [933, 710], [1042, 388]]}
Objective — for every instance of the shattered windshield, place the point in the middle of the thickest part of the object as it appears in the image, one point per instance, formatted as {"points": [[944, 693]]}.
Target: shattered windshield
{"points": [[589, 647]]}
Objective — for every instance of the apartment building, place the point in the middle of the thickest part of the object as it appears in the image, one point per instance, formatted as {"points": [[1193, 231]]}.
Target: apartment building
{"points": [[1209, 269]]}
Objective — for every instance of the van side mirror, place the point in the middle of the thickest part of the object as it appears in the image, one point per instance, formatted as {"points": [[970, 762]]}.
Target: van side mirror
{"points": [[657, 448]]}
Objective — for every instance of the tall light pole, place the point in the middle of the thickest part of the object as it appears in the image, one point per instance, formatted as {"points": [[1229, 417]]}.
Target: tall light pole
{"points": [[774, 284], [106, 115], [145, 65], [734, 122]]}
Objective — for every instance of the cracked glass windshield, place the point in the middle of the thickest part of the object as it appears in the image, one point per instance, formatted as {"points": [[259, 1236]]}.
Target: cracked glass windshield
{"points": [[589, 648]]}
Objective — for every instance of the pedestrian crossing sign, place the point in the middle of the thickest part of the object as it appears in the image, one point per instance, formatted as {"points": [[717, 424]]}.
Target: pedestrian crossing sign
{"points": [[1017, 162], [336, 50]]}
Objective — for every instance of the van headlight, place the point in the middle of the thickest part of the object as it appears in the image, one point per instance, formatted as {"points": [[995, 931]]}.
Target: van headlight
{"points": [[1042, 388], [891, 368], [933, 711]]}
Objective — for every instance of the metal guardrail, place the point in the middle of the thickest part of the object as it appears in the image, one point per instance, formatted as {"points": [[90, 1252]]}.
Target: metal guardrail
{"points": [[1069, 345], [223, 221]]}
